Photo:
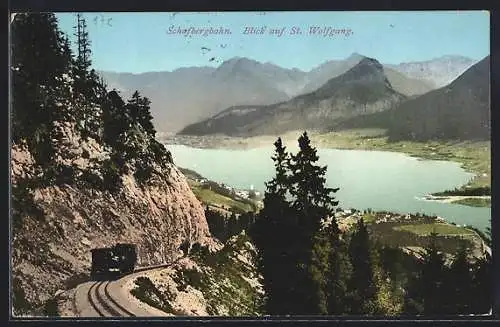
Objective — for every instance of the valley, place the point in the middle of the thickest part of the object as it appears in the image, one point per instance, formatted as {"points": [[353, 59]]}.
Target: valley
{"points": [[250, 177]]}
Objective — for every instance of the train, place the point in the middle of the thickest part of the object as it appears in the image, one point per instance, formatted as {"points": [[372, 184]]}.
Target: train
{"points": [[117, 260]]}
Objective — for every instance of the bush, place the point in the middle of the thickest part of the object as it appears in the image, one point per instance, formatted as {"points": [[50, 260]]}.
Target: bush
{"points": [[143, 173], [147, 292], [51, 308], [19, 302], [111, 176]]}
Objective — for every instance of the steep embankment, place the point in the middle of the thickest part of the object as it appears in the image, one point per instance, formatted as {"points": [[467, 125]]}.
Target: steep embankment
{"points": [[86, 170], [60, 224], [225, 283]]}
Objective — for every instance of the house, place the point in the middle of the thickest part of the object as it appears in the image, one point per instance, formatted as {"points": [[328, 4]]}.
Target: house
{"points": [[440, 219]]}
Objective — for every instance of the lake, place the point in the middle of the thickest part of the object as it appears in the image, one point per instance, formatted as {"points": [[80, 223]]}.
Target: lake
{"points": [[367, 179]]}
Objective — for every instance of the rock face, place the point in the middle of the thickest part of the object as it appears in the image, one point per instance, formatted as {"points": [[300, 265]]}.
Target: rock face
{"points": [[60, 224], [225, 283]]}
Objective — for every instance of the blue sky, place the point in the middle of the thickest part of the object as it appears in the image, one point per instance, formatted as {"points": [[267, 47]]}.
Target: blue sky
{"points": [[138, 42]]}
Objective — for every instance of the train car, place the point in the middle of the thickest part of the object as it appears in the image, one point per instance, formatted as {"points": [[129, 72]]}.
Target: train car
{"points": [[102, 261], [117, 260], [127, 257]]}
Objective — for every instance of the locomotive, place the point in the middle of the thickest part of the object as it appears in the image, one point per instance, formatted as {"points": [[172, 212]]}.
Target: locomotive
{"points": [[117, 260]]}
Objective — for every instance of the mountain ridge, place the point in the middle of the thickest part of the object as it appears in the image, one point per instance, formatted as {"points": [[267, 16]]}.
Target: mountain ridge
{"points": [[190, 94], [460, 110], [362, 89]]}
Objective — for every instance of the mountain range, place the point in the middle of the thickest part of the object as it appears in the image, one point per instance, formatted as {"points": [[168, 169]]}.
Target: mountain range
{"points": [[459, 110], [364, 97], [192, 94], [363, 89]]}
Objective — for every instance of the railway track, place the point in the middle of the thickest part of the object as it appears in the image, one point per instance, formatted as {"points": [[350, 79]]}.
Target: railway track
{"points": [[103, 303]]}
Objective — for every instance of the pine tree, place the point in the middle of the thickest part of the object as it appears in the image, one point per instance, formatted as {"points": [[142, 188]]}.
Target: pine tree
{"points": [[458, 284], [482, 284], [83, 61], [39, 59], [338, 275], [433, 275], [140, 112], [362, 285], [116, 120], [276, 253], [313, 203], [312, 199], [318, 270]]}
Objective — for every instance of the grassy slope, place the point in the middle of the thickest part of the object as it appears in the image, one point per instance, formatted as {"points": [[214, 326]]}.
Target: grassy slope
{"points": [[416, 233], [474, 202], [440, 229], [210, 197], [223, 279]]}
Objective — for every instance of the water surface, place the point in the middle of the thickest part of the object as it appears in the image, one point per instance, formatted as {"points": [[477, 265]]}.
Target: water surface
{"points": [[378, 180]]}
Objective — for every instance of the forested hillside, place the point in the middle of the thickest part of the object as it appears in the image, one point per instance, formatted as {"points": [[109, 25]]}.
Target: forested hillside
{"points": [[460, 110], [311, 266], [86, 168]]}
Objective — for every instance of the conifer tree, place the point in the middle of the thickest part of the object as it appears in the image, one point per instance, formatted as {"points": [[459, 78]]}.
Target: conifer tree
{"points": [[362, 286], [115, 119], [140, 112], [39, 59], [83, 61], [312, 204], [433, 275], [458, 284], [482, 284], [338, 275], [276, 253], [318, 270]]}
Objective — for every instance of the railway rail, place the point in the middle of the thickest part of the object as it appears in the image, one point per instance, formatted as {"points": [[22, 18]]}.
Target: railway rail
{"points": [[104, 304]]}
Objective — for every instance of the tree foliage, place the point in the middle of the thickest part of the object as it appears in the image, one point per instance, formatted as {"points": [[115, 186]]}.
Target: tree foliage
{"points": [[311, 267], [54, 90]]}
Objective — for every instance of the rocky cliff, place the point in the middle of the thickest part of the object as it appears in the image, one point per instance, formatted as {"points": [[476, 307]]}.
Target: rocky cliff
{"points": [[86, 169], [56, 226]]}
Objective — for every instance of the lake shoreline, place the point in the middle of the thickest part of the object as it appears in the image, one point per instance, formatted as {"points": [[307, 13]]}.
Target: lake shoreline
{"points": [[473, 201], [366, 140]]}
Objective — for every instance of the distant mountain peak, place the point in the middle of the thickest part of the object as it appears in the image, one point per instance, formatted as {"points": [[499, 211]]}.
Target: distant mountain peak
{"points": [[368, 69], [239, 60], [370, 62], [355, 56], [454, 57], [238, 63]]}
